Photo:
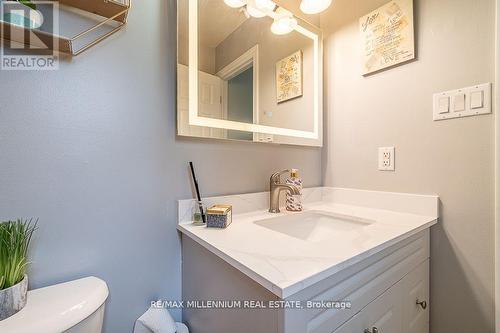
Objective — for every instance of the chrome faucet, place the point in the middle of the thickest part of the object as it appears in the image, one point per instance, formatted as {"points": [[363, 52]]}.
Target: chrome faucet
{"points": [[276, 187]]}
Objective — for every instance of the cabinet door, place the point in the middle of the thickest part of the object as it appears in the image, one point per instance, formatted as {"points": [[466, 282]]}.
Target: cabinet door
{"points": [[383, 315], [353, 325], [396, 310], [416, 289]]}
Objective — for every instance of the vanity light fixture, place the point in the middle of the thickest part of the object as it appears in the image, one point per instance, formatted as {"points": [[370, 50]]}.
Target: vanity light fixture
{"points": [[253, 10], [284, 22], [266, 5], [314, 6], [234, 3], [259, 8]]}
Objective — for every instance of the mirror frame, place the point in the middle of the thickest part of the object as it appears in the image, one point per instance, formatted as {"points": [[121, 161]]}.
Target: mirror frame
{"points": [[196, 120]]}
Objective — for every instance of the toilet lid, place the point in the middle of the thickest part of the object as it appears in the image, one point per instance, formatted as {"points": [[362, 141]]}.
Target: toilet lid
{"points": [[59, 307]]}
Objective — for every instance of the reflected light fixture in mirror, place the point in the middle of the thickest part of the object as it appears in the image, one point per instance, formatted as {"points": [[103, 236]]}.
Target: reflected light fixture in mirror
{"points": [[253, 11], [284, 22], [265, 4], [260, 8], [234, 3], [314, 6]]}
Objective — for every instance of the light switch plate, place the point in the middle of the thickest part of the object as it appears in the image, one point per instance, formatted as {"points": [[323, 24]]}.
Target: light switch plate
{"points": [[386, 159], [477, 101]]}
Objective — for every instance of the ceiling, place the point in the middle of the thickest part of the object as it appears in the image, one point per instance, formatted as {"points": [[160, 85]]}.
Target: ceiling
{"points": [[216, 21]]}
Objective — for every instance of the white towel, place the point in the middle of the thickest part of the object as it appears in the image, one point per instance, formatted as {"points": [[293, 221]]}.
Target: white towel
{"points": [[156, 320], [181, 328]]}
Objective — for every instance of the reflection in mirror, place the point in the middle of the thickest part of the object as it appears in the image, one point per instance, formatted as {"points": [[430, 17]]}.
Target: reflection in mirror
{"points": [[250, 70]]}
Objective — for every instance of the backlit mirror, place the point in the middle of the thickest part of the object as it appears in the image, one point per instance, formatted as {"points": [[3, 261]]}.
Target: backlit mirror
{"points": [[248, 70]]}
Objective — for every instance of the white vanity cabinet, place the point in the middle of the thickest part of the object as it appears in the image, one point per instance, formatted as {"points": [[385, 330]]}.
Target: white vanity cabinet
{"points": [[383, 291], [368, 250]]}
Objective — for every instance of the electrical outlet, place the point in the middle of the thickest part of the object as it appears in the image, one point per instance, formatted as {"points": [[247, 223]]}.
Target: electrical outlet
{"points": [[386, 159]]}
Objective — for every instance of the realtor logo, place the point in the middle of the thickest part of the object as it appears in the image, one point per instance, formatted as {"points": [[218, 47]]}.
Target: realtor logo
{"points": [[29, 31]]}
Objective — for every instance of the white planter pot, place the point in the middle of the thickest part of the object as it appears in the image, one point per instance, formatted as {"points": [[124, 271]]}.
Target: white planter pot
{"points": [[13, 299]]}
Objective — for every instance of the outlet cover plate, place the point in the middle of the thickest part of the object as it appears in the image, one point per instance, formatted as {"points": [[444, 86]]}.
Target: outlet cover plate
{"points": [[386, 159]]}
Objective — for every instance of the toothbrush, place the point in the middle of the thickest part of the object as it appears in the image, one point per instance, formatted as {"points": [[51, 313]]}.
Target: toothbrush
{"points": [[200, 205]]}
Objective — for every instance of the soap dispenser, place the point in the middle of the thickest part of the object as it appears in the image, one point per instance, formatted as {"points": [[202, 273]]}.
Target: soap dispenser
{"points": [[294, 202]]}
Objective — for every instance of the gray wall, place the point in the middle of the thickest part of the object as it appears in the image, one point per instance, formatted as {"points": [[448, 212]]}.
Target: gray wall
{"points": [[91, 150], [454, 158]]}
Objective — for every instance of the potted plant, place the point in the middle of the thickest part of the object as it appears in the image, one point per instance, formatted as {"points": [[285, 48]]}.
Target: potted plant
{"points": [[15, 237]]}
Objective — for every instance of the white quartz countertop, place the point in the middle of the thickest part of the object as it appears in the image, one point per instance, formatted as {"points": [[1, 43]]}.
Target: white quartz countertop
{"points": [[286, 265]]}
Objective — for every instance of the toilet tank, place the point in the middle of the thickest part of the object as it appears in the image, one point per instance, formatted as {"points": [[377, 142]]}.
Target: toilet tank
{"points": [[92, 324], [70, 307]]}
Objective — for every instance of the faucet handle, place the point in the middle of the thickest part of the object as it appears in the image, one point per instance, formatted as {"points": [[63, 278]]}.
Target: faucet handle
{"points": [[275, 177]]}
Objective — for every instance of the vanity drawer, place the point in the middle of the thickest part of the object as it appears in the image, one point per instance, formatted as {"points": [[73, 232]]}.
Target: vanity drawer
{"points": [[359, 284]]}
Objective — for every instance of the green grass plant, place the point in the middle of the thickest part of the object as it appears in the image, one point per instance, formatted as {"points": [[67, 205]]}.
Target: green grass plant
{"points": [[15, 238]]}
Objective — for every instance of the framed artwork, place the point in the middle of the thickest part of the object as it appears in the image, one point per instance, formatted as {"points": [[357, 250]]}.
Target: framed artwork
{"points": [[289, 77], [387, 36]]}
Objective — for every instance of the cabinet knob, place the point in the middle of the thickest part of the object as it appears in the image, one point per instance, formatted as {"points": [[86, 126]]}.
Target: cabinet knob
{"points": [[423, 304], [374, 330]]}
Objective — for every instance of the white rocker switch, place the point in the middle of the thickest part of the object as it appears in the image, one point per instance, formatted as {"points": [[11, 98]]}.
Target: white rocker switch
{"points": [[459, 102], [476, 99], [444, 104]]}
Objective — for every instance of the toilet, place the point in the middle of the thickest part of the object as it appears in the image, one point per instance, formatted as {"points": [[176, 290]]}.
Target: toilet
{"points": [[71, 307]]}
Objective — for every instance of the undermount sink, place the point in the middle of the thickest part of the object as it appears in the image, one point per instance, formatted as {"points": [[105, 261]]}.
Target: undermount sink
{"points": [[315, 226]]}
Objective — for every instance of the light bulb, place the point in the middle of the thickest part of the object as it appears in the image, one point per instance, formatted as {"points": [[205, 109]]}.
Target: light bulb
{"points": [[254, 12], [234, 3], [314, 6], [265, 5], [283, 25], [259, 8]]}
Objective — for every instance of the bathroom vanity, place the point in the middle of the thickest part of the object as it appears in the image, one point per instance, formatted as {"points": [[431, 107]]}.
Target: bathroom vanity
{"points": [[352, 261]]}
